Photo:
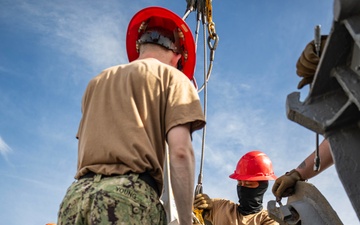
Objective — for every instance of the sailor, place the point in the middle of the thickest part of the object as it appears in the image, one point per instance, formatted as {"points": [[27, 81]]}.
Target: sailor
{"points": [[253, 172], [306, 67], [129, 112]]}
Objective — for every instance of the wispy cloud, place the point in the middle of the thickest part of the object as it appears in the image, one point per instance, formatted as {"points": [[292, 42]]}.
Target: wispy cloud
{"points": [[95, 36], [42, 184], [4, 148]]}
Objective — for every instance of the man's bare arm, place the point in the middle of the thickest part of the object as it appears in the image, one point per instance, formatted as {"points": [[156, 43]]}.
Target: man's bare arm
{"points": [[182, 169]]}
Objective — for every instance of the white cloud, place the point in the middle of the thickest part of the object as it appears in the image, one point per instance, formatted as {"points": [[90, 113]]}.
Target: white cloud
{"points": [[79, 29], [4, 148]]}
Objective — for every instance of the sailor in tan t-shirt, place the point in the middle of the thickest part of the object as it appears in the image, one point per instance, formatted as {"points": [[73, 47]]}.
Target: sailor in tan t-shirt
{"points": [[253, 171], [129, 112]]}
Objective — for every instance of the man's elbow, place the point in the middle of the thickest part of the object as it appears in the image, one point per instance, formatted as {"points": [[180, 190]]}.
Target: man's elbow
{"points": [[183, 153]]}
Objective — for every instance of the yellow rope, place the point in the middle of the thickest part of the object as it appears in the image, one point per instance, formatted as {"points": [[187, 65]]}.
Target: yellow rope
{"points": [[211, 24], [198, 214]]}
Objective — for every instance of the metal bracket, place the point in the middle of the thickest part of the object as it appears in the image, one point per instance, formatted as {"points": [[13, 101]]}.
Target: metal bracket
{"points": [[332, 107], [306, 207]]}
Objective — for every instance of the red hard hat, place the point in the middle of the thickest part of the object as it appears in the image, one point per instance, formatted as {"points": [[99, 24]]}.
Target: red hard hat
{"points": [[157, 17], [254, 166]]}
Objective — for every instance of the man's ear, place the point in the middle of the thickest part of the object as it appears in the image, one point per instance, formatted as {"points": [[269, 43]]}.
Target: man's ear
{"points": [[175, 60]]}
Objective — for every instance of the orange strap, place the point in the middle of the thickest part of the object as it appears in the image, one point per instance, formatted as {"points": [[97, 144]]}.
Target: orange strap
{"points": [[198, 214]]}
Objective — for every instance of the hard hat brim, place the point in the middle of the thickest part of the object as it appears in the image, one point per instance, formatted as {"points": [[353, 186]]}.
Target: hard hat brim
{"points": [[252, 178]]}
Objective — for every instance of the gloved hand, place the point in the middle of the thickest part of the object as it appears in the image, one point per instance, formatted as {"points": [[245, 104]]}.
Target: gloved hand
{"points": [[284, 186], [308, 61], [202, 201]]}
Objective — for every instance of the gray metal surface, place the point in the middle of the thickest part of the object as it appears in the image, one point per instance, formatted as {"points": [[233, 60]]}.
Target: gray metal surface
{"points": [[307, 207], [332, 107]]}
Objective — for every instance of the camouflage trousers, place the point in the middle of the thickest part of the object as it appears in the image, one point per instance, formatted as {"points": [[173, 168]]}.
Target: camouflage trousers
{"points": [[118, 200]]}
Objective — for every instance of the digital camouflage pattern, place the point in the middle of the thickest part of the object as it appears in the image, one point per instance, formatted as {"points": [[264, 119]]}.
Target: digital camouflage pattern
{"points": [[117, 200]]}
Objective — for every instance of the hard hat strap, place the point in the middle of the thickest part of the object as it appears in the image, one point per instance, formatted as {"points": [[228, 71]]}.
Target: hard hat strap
{"points": [[156, 37]]}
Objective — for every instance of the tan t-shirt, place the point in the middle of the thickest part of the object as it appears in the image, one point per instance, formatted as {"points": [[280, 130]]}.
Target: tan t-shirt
{"points": [[224, 212], [127, 112]]}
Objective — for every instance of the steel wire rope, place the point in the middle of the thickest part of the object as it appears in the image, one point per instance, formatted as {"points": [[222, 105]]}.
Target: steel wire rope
{"points": [[204, 14]]}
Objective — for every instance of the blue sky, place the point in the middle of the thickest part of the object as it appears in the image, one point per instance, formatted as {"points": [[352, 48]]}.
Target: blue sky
{"points": [[49, 50]]}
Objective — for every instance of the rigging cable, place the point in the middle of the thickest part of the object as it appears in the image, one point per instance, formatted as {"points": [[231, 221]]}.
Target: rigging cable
{"points": [[317, 43], [204, 14]]}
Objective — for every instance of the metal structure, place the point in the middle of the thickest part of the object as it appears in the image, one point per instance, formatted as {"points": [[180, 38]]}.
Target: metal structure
{"points": [[332, 107], [306, 206]]}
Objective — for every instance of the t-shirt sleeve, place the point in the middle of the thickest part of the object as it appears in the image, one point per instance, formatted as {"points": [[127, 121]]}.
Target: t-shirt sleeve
{"points": [[183, 105]]}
